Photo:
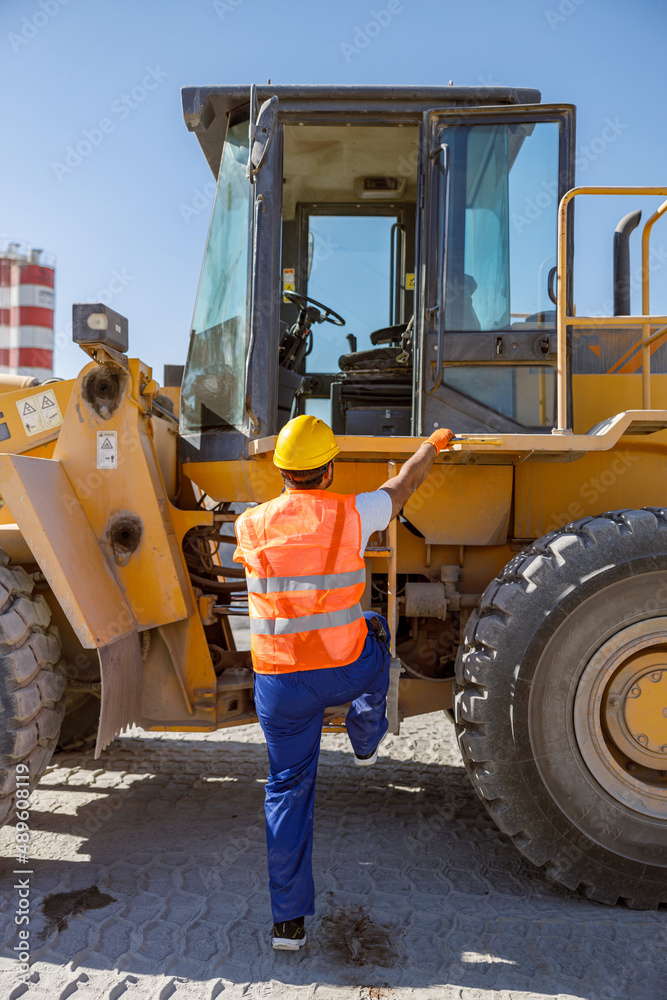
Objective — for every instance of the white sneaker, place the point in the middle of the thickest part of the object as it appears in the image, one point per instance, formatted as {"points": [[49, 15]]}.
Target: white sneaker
{"points": [[363, 760]]}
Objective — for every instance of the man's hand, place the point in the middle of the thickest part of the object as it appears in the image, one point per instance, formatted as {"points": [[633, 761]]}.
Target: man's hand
{"points": [[441, 438], [415, 470]]}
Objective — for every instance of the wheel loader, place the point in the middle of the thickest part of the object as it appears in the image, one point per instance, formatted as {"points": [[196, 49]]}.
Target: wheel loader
{"points": [[393, 260]]}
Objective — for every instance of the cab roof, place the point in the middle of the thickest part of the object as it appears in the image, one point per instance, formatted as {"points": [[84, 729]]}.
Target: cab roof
{"points": [[206, 109]]}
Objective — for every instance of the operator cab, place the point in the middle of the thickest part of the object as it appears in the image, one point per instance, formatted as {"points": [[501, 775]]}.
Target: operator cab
{"points": [[388, 265]]}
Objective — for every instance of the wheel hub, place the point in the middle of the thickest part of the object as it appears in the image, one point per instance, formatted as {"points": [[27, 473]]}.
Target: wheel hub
{"points": [[634, 709], [620, 716]]}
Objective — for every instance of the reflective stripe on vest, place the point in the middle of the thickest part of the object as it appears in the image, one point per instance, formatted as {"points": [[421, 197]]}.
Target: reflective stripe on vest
{"points": [[305, 579], [305, 623], [325, 581]]}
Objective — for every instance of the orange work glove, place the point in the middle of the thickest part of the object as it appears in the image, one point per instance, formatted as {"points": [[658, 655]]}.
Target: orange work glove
{"points": [[441, 438]]}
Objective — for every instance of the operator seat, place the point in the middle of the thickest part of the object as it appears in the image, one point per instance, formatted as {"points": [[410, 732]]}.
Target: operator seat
{"points": [[373, 357], [373, 393]]}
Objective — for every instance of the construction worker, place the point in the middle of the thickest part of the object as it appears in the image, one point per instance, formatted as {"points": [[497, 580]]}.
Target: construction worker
{"points": [[312, 645]]}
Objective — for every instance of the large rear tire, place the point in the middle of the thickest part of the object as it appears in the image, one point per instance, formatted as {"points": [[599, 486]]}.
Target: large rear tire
{"points": [[32, 689], [561, 705]]}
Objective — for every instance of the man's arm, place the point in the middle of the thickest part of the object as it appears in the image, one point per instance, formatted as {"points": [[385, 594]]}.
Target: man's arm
{"points": [[415, 470]]}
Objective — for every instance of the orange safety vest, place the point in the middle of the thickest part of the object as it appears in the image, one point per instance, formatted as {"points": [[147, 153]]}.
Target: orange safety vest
{"points": [[305, 580]]}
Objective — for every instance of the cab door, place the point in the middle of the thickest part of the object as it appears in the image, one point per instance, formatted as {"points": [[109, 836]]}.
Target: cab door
{"points": [[493, 179]]}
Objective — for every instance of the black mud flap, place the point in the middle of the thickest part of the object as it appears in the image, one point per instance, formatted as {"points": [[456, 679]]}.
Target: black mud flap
{"points": [[120, 670]]}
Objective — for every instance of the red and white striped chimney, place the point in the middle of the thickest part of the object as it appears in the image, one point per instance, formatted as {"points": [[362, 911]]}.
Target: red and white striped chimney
{"points": [[26, 312]]}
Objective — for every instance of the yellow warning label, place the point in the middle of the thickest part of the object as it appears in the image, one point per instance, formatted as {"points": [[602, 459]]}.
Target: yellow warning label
{"points": [[288, 281], [409, 282]]}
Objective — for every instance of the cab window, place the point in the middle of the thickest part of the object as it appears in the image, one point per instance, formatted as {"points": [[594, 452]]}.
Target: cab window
{"points": [[212, 390], [348, 242]]}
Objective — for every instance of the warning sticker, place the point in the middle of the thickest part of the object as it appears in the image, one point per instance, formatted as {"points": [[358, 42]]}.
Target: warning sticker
{"points": [[107, 450], [48, 409], [288, 281], [30, 416], [409, 282], [39, 412]]}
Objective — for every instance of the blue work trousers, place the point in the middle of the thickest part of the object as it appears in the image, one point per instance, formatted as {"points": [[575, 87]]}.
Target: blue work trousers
{"points": [[291, 708]]}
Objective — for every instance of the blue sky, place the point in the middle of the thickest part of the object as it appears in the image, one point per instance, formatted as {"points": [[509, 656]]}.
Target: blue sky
{"points": [[130, 219]]}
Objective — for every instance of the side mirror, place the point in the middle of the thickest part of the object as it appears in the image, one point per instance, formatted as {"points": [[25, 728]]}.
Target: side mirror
{"points": [[97, 324]]}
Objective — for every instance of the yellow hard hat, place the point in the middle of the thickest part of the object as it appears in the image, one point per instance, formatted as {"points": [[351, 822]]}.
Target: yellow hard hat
{"points": [[305, 443]]}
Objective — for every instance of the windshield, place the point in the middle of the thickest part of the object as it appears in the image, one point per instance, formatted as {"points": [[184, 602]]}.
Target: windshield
{"points": [[212, 392], [350, 270]]}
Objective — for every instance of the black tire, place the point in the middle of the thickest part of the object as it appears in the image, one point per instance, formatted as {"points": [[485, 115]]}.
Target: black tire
{"points": [[531, 653], [32, 688]]}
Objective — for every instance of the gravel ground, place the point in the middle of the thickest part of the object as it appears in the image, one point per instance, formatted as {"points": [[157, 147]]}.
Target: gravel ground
{"points": [[149, 881]]}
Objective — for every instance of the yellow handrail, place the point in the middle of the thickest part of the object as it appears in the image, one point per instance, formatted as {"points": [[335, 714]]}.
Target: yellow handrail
{"points": [[563, 320], [646, 328]]}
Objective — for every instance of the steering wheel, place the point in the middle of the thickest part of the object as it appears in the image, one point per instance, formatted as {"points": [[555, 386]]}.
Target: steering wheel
{"points": [[329, 316]]}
